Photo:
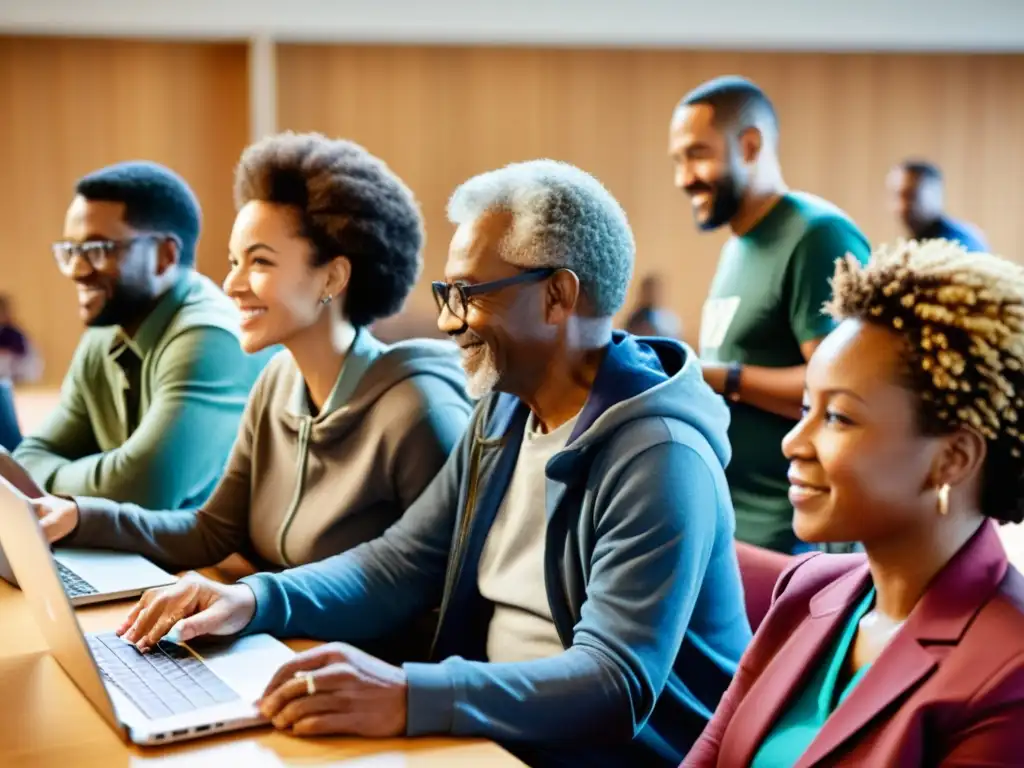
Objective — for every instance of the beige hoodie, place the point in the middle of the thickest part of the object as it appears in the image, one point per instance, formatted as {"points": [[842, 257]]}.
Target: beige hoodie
{"points": [[300, 488]]}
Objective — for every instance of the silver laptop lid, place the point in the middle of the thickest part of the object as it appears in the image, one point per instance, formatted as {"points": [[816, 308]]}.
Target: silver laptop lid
{"points": [[30, 559], [13, 472], [6, 573]]}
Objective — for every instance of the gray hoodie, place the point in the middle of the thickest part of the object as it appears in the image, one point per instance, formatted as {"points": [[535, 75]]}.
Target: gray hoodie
{"points": [[299, 488]]}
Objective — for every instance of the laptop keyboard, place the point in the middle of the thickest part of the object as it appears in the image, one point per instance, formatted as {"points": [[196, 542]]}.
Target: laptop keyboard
{"points": [[74, 585], [166, 680]]}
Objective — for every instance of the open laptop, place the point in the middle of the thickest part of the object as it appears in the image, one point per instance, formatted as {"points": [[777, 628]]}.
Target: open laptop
{"points": [[89, 575], [171, 693]]}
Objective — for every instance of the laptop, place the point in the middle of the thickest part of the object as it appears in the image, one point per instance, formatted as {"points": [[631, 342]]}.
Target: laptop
{"points": [[171, 693], [90, 575]]}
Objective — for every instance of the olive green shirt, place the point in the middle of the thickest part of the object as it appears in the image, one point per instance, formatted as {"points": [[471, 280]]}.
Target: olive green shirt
{"points": [[191, 383]]}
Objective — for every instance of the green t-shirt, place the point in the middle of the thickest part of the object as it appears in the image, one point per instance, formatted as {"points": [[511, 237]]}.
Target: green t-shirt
{"points": [[765, 301]]}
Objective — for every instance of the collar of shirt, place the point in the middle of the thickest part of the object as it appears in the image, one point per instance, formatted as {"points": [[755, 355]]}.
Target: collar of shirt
{"points": [[364, 350], [156, 322]]}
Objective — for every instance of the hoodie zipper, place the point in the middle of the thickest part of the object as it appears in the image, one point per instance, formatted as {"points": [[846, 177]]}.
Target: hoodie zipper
{"points": [[300, 481], [455, 563]]}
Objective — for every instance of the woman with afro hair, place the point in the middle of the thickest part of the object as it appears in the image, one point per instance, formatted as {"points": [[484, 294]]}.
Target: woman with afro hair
{"points": [[342, 432]]}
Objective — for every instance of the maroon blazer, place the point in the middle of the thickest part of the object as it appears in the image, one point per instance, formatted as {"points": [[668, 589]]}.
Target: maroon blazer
{"points": [[948, 690]]}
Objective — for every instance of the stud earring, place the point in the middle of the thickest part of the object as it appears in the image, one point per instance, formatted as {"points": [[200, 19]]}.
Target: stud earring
{"points": [[326, 299], [944, 499]]}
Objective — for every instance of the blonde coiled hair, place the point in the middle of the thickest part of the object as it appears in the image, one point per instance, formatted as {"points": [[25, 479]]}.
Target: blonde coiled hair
{"points": [[962, 317]]}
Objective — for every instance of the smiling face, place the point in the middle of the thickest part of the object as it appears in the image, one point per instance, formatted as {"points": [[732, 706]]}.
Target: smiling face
{"points": [[706, 166], [859, 465], [123, 288], [273, 280], [506, 331]]}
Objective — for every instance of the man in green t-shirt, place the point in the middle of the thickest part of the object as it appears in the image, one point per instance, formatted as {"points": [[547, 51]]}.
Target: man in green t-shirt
{"points": [[763, 317]]}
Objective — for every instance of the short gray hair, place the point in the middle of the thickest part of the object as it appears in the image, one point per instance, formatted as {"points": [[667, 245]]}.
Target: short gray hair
{"points": [[562, 217]]}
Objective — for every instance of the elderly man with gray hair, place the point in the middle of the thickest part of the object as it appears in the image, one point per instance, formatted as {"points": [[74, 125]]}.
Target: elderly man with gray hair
{"points": [[578, 541]]}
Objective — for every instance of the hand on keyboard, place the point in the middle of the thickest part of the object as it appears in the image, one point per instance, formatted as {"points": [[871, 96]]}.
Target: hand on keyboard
{"points": [[196, 604], [168, 681]]}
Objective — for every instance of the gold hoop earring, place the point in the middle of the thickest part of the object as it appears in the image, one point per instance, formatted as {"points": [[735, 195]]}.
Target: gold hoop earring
{"points": [[944, 499]]}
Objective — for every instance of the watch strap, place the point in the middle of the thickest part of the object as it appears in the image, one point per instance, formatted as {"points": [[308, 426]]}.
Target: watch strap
{"points": [[732, 382]]}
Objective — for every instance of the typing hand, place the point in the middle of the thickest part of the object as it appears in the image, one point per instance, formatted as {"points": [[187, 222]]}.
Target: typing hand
{"points": [[197, 605], [347, 692], [57, 517]]}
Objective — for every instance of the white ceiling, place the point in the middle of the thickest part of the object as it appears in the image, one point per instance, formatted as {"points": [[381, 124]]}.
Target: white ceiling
{"points": [[965, 25]]}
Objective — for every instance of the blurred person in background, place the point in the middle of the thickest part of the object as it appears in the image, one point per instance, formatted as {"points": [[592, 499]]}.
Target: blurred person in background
{"points": [[763, 317], [152, 400], [580, 538], [19, 361], [10, 429], [911, 442], [650, 317], [342, 432], [916, 192]]}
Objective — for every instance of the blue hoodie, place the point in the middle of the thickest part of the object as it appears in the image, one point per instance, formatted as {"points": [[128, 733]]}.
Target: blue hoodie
{"points": [[640, 572]]}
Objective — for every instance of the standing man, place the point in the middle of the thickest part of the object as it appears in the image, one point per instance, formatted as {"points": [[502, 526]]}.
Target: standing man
{"points": [[916, 194], [151, 404], [763, 317]]}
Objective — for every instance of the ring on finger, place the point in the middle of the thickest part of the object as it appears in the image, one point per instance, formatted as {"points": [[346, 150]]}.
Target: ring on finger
{"points": [[310, 682]]}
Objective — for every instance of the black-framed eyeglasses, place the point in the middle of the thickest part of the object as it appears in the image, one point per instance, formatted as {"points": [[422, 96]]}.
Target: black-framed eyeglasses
{"points": [[98, 253], [456, 296]]}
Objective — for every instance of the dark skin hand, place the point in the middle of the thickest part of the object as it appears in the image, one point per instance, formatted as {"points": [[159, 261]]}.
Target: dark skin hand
{"points": [[355, 694]]}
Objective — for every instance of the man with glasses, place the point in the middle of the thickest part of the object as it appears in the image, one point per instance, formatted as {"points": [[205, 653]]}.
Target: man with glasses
{"points": [[151, 404], [579, 538]]}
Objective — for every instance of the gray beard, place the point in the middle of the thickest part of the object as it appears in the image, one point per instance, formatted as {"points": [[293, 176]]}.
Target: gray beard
{"points": [[483, 377]]}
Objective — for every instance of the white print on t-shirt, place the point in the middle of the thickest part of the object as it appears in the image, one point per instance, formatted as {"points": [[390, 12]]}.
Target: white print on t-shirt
{"points": [[715, 320]]}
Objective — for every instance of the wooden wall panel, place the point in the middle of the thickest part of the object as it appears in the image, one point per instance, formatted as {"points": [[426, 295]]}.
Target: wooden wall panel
{"points": [[70, 106], [439, 115]]}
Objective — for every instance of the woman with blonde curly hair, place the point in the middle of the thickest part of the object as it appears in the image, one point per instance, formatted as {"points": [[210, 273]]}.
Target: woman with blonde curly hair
{"points": [[910, 442]]}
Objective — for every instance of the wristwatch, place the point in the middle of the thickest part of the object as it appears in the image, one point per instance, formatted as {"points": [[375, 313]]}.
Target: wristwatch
{"points": [[732, 382]]}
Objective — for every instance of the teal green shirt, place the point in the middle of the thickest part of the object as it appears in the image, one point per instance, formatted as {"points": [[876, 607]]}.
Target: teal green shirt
{"points": [[765, 301], [797, 728], [193, 383]]}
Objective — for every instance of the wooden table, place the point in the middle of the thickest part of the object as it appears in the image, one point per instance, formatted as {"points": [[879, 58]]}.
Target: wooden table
{"points": [[45, 721]]}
